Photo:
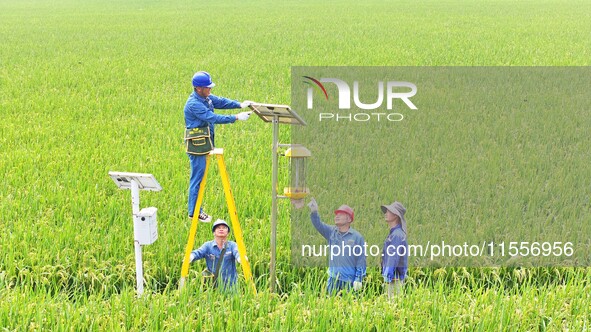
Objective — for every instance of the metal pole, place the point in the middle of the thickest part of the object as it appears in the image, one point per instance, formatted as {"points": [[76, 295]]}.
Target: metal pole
{"points": [[274, 203], [135, 197], [139, 271]]}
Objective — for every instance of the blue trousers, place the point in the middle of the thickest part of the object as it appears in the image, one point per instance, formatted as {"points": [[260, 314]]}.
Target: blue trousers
{"points": [[197, 172], [336, 285]]}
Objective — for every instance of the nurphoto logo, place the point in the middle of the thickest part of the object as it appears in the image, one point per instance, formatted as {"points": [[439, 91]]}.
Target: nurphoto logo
{"points": [[392, 90]]}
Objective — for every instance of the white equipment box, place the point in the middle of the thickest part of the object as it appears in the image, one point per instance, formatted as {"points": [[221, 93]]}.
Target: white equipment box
{"points": [[145, 226]]}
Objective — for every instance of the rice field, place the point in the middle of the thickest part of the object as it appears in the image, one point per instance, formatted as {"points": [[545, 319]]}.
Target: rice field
{"points": [[88, 87]]}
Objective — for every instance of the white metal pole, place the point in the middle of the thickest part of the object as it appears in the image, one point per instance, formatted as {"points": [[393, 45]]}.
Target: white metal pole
{"points": [[274, 203], [135, 197], [139, 270]]}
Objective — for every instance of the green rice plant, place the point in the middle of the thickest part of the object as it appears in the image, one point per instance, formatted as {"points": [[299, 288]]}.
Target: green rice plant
{"points": [[90, 87]]}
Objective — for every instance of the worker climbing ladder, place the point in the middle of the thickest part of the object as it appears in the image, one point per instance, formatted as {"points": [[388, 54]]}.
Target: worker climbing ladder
{"points": [[219, 153]]}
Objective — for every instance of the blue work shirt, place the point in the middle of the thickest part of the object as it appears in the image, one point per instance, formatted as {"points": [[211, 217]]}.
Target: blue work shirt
{"points": [[350, 264], [211, 252], [395, 255], [199, 112]]}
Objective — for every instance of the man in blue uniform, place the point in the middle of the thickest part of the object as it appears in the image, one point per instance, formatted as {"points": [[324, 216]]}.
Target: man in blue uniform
{"points": [[395, 251], [199, 112], [347, 261], [220, 255]]}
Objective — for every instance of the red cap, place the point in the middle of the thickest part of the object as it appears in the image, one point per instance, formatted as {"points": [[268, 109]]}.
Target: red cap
{"points": [[345, 209]]}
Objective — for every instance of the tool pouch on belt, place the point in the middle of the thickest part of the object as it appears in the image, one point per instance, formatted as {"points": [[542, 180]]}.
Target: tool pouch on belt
{"points": [[198, 140], [208, 277]]}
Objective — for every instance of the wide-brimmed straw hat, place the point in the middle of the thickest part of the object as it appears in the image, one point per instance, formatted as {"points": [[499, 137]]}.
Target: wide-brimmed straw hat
{"points": [[398, 209]]}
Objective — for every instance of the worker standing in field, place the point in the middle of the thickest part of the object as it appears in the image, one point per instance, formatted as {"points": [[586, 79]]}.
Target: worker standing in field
{"points": [[347, 261], [199, 134], [395, 251], [220, 256]]}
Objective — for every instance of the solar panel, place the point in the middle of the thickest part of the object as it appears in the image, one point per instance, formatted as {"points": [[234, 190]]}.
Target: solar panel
{"points": [[144, 181], [284, 114]]}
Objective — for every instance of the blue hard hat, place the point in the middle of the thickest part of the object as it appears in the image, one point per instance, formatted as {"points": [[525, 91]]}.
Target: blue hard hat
{"points": [[219, 222], [202, 79]]}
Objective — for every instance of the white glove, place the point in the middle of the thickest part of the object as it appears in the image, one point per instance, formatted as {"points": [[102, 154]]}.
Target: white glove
{"points": [[246, 103], [357, 286], [243, 116], [238, 259], [192, 257], [313, 205]]}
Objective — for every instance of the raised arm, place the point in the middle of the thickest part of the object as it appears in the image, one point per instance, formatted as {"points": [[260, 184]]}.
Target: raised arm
{"points": [[223, 103]]}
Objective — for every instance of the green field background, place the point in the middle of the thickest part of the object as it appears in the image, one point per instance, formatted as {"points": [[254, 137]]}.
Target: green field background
{"points": [[88, 87]]}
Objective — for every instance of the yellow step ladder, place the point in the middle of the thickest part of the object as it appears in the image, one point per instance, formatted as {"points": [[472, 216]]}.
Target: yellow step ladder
{"points": [[236, 229]]}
